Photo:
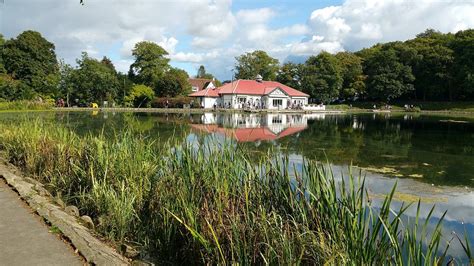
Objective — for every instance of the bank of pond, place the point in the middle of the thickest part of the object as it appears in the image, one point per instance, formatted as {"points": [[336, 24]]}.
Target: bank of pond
{"points": [[259, 189]]}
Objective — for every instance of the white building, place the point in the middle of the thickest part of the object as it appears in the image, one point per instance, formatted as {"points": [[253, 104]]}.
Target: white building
{"points": [[252, 94]]}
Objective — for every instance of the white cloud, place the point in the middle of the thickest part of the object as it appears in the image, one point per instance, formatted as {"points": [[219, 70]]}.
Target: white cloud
{"points": [[356, 24], [212, 33], [255, 16]]}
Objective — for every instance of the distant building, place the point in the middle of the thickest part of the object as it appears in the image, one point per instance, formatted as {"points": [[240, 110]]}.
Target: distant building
{"points": [[252, 94], [200, 84]]}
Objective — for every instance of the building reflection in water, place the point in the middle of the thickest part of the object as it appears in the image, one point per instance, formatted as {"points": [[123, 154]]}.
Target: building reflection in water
{"points": [[254, 127]]}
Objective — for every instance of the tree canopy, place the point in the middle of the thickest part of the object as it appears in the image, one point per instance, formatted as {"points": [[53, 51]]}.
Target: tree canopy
{"points": [[94, 81], [250, 65], [150, 63], [173, 83], [31, 59], [322, 77]]}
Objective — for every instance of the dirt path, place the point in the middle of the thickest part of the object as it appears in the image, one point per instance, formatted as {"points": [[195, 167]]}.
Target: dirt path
{"points": [[25, 239]]}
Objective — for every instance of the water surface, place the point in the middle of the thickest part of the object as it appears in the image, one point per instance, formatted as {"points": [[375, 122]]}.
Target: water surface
{"points": [[429, 157]]}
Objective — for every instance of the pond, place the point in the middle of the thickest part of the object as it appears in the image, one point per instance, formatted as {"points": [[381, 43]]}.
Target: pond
{"points": [[429, 157]]}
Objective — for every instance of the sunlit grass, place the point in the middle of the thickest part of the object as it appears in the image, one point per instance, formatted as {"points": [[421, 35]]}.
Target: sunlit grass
{"points": [[216, 204]]}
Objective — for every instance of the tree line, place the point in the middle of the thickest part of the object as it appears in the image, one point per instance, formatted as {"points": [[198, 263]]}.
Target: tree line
{"points": [[30, 70], [433, 66]]}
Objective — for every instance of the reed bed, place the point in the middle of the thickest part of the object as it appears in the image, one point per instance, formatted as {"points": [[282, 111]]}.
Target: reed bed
{"points": [[215, 204]]}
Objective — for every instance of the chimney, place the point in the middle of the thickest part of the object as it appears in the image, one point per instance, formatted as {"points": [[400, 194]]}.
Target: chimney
{"points": [[259, 78]]}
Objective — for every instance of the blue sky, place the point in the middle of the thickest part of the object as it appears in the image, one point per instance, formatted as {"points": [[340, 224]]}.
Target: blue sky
{"points": [[214, 32]]}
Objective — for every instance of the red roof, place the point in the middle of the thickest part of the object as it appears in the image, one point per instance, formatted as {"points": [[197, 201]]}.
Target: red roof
{"points": [[206, 93], [249, 87], [247, 134], [253, 87], [201, 84]]}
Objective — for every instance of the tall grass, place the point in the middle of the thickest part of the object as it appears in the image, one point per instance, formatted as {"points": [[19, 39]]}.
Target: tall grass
{"points": [[216, 204]]}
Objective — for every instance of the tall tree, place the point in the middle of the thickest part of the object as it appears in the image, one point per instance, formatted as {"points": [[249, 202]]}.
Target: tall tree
{"points": [[66, 85], [173, 83], [94, 81], [433, 64], [290, 74], [107, 62], [201, 72], [388, 77], [2, 67], [463, 46], [353, 84], [31, 59], [322, 77], [150, 63], [250, 65]]}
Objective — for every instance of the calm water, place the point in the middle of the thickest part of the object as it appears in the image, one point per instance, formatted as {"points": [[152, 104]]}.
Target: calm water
{"points": [[430, 157]]}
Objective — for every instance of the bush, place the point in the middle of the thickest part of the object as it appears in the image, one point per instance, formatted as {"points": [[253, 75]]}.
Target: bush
{"points": [[140, 96], [25, 105], [176, 102]]}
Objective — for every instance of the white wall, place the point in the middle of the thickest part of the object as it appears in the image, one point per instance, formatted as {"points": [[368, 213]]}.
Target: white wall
{"points": [[208, 102]]}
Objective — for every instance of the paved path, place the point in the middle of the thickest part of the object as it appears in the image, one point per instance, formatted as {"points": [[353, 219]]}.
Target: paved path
{"points": [[25, 239]]}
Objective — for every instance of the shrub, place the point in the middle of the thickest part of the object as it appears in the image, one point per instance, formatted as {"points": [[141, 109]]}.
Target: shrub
{"points": [[176, 102], [140, 96]]}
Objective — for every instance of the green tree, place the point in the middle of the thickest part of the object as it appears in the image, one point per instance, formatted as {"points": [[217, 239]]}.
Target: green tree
{"points": [[125, 86], [322, 77], [387, 76], [201, 72], [433, 64], [463, 70], [2, 67], [290, 74], [352, 75], [250, 65], [150, 63], [66, 85], [94, 81], [107, 62], [140, 96], [31, 59], [173, 83]]}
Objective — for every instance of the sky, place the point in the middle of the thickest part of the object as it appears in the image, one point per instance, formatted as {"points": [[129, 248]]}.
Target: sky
{"points": [[213, 32]]}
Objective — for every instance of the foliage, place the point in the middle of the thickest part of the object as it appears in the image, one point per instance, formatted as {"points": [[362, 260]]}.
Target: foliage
{"points": [[432, 65], [204, 75], [174, 201], [353, 84], [25, 105], [177, 102], [387, 76], [150, 63], [322, 77], [174, 82], [291, 74], [140, 96], [250, 65], [93, 81], [66, 85], [463, 69], [107, 62], [31, 59], [2, 66]]}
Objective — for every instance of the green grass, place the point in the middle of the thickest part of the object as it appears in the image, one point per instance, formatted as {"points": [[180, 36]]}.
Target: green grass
{"points": [[214, 204], [24, 106]]}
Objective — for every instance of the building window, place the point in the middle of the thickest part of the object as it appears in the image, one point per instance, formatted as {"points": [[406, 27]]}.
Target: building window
{"points": [[194, 88], [277, 120], [242, 100], [277, 102]]}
